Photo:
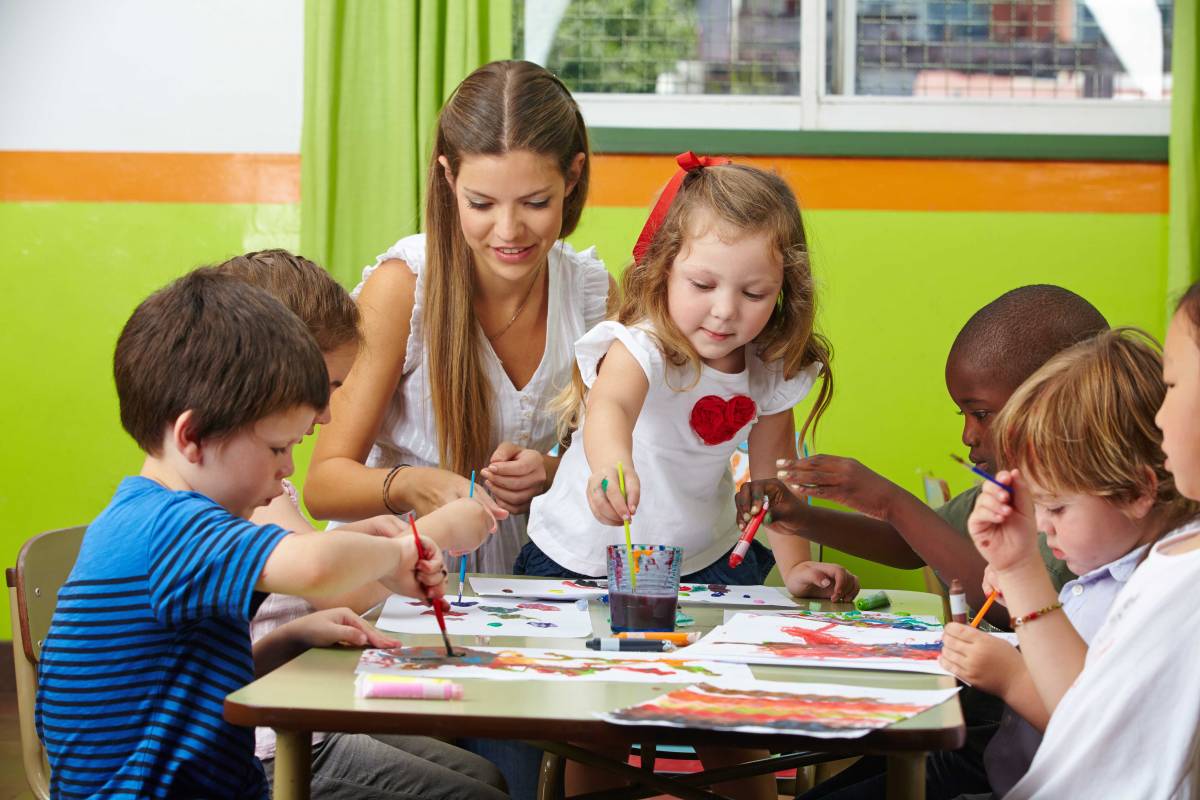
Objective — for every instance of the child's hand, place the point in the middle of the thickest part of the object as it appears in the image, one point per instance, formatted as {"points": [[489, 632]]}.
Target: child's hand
{"points": [[460, 526], [979, 659], [786, 509], [420, 575], [1003, 526], [842, 480], [604, 494], [820, 579], [992, 584], [335, 626], [514, 477]]}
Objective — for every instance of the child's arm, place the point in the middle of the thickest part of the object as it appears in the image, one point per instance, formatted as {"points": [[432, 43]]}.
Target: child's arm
{"points": [[317, 563], [856, 534], [986, 662], [339, 484], [460, 526], [320, 629], [613, 405], [771, 438], [1004, 530]]}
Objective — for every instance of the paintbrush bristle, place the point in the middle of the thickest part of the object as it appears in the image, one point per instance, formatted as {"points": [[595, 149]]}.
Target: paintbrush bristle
{"points": [[959, 459]]}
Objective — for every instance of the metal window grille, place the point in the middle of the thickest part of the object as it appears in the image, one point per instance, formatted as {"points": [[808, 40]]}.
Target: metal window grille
{"points": [[719, 47], [1023, 49]]}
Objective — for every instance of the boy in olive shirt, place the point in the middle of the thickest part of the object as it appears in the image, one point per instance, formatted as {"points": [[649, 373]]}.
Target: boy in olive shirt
{"points": [[1005, 342]]}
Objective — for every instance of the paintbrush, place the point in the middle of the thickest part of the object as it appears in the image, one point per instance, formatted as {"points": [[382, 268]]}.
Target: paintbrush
{"points": [[628, 538], [437, 604], [462, 560], [981, 473]]}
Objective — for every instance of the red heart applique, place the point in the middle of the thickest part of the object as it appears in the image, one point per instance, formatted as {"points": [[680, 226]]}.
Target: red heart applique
{"points": [[716, 420]]}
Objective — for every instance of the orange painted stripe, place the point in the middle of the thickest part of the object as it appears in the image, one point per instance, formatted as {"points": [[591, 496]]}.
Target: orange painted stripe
{"points": [[617, 180], [37, 176], [916, 184]]}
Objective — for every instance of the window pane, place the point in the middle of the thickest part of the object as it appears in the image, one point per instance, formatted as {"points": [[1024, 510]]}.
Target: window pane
{"points": [[665, 46], [1025, 49]]}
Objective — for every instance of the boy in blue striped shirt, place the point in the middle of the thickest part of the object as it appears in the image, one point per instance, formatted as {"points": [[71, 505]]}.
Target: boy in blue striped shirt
{"points": [[217, 381]]}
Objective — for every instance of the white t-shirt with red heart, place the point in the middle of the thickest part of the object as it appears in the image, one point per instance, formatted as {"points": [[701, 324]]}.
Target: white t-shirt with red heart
{"points": [[682, 442]]}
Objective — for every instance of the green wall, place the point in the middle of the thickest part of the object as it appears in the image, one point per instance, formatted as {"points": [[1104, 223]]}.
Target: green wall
{"points": [[894, 289]]}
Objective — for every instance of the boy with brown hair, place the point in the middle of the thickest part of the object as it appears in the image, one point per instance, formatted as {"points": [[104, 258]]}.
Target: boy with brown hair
{"points": [[217, 381]]}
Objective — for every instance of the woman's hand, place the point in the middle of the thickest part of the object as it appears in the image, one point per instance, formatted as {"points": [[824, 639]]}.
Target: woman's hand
{"points": [[514, 477], [821, 579], [604, 494], [979, 659], [425, 489], [842, 480]]}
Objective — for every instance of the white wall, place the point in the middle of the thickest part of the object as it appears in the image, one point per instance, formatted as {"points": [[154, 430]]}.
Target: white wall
{"points": [[152, 75]]}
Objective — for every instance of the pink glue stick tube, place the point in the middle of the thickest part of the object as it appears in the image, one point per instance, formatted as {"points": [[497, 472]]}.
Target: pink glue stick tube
{"points": [[375, 686]]}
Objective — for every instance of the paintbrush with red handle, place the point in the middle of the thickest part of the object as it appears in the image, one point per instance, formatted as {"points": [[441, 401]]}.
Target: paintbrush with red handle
{"points": [[437, 604]]}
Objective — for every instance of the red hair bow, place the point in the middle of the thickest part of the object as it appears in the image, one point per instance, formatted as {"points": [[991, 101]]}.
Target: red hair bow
{"points": [[687, 162]]}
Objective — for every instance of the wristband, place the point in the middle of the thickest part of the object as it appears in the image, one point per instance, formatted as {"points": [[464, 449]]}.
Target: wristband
{"points": [[387, 486], [1032, 615]]}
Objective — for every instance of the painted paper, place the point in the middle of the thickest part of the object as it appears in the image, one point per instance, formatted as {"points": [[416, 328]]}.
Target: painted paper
{"points": [[869, 619], [824, 711], [794, 640], [523, 663], [488, 616], [539, 588], [722, 594]]}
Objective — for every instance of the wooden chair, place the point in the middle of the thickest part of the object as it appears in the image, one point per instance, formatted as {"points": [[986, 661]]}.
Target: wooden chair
{"points": [[43, 565]]}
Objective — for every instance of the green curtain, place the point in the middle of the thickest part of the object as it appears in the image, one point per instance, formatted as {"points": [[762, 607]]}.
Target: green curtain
{"points": [[375, 74], [1183, 254]]}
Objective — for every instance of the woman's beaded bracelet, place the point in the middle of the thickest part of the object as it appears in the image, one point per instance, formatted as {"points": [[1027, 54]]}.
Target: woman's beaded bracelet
{"points": [[1032, 615], [387, 487]]}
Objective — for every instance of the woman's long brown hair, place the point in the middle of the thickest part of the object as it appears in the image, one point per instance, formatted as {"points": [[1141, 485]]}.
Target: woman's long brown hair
{"points": [[501, 107]]}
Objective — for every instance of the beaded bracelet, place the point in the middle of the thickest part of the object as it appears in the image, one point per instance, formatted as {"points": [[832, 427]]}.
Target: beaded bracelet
{"points": [[387, 486], [1032, 615]]}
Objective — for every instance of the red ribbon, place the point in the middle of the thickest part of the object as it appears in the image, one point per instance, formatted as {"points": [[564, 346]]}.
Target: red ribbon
{"points": [[687, 162]]}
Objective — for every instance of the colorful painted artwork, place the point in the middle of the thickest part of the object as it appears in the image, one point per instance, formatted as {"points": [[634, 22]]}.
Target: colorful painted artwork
{"points": [[539, 588], [488, 616], [869, 619], [496, 663], [722, 594], [824, 711], [798, 641]]}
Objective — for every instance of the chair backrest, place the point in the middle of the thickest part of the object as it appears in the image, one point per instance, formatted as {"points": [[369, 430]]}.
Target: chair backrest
{"points": [[43, 565]]}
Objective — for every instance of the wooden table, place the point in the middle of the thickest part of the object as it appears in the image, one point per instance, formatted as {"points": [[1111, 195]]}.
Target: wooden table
{"points": [[315, 692]]}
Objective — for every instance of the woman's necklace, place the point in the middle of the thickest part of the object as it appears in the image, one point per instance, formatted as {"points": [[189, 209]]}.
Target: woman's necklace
{"points": [[528, 293]]}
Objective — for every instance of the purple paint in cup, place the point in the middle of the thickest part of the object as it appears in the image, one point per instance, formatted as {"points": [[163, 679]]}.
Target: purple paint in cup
{"points": [[651, 605]]}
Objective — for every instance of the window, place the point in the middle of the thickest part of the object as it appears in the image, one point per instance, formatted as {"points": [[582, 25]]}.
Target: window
{"points": [[998, 66]]}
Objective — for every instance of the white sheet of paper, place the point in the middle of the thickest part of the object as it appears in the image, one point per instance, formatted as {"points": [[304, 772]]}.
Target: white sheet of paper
{"points": [[488, 616], [720, 594], [825, 711], [538, 589], [797, 641], [536, 664]]}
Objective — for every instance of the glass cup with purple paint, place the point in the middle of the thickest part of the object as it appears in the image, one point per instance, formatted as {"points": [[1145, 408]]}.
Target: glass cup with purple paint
{"points": [[650, 604]]}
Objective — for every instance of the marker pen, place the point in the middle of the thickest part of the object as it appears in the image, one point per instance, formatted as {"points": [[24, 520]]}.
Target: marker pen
{"points": [[643, 645]]}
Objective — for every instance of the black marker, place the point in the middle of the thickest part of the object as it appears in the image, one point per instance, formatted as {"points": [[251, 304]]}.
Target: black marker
{"points": [[643, 645]]}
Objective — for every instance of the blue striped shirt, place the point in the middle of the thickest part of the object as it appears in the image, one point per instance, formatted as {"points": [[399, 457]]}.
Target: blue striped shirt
{"points": [[150, 633]]}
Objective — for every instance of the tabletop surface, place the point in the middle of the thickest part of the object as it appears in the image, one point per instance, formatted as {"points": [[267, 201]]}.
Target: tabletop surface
{"points": [[316, 692]]}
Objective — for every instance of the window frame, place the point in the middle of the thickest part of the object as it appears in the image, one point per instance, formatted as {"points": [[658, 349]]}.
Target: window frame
{"points": [[817, 111]]}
